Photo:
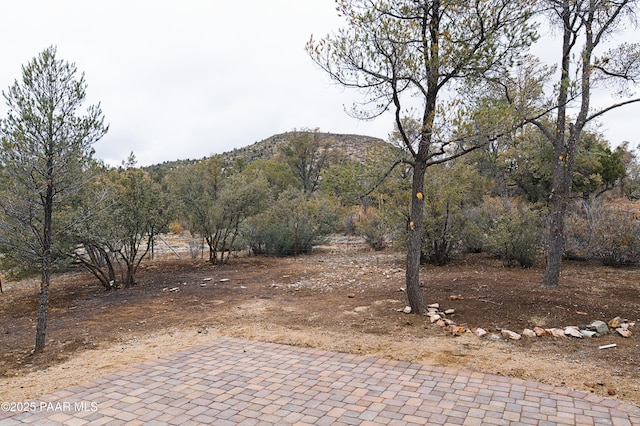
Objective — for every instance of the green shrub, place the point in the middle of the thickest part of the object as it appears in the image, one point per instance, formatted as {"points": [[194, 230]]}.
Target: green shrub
{"points": [[292, 226], [516, 230], [450, 192], [372, 228], [473, 237]]}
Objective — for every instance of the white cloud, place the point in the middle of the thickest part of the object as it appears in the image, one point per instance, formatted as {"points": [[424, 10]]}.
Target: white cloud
{"points": [[186, 79]]}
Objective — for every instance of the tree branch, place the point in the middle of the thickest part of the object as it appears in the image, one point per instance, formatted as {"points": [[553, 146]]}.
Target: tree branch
{"points": [[614, 106]]}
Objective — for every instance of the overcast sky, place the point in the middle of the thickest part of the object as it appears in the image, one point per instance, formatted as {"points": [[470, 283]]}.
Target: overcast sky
{"points": [[184, 79]]}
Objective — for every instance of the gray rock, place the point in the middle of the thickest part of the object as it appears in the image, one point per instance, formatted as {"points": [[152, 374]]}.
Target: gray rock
{"points": [[573, 332], [599, 327], [434, 317], [511, 335], [479, 332]]}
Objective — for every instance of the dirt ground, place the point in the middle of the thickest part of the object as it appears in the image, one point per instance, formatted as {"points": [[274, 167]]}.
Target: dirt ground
{"points": [[343, 297]]}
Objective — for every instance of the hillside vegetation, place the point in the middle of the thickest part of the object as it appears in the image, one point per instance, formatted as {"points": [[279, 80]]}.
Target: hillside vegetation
{"points": [[350, 146]]}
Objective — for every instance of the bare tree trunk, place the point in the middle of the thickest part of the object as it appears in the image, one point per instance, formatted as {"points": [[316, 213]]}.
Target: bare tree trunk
{"points": [[414, 292], [557, 211], [561, 170], [43, 304], [43, 308], [130, 279]]}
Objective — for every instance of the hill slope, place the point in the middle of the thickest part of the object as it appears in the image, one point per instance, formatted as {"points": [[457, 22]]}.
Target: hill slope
{"points": [[353, 147]]}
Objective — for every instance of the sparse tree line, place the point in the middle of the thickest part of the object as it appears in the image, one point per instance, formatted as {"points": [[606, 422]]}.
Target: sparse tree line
{"points": [[459, 77], [496, 200], [110, 223], [492, 151]]}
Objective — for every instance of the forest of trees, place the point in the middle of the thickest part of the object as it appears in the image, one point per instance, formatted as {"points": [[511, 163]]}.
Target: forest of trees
{"points": [[491, 152], [494, 200]]}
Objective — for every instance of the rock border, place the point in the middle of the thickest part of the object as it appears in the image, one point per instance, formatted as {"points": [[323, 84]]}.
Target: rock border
{"points": [[596, 328]]}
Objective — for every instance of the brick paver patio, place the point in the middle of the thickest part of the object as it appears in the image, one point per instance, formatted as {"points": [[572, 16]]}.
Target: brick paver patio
{"points": [[238, 382]]}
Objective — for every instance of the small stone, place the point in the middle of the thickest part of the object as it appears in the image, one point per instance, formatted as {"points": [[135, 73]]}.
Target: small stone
{"points": [[573, 332], [493, 336], [615, 323], [224, 280], [407, 309], [174, 289], [457, 330], [479, 331], [450, 311], [539, 331], [590, 384], [529, 333], [556, 332], [351, 296], [511, 334], [360, 308], [588, 333], [441, 323], [623, 332], [611, 391], [206, 279], [448, 321], [599, 327], [434, 318], [456, 297], [434, 305]]}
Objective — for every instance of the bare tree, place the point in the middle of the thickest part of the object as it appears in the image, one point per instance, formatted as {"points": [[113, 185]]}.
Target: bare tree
{"points": [[45, 148]]}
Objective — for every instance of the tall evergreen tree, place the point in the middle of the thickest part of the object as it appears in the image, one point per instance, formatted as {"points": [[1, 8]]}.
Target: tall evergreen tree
{"points": [[46, 146]]}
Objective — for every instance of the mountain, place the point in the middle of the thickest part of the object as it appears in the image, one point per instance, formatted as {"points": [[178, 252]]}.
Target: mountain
{"points": [[353, 147]]}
